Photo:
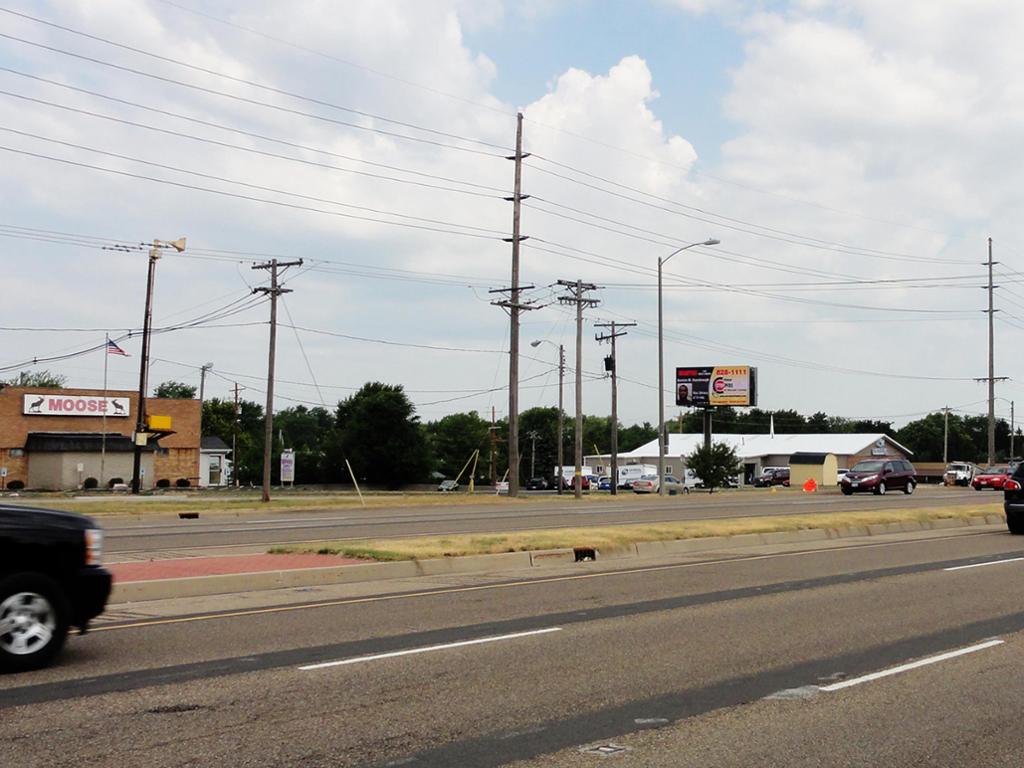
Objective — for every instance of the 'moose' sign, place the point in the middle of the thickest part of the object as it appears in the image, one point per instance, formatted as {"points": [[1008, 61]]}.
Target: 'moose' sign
{"points": [[74, 405]]}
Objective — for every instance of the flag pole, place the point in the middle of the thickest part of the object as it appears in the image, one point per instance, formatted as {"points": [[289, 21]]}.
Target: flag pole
{"points": [[103, 437]]}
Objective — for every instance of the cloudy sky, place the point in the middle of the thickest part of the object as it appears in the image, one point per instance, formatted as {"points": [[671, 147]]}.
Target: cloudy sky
{"points": [[853, 157]]}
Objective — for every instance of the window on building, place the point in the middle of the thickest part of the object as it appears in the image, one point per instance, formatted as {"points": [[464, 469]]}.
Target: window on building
{"points": [[17, 453]]}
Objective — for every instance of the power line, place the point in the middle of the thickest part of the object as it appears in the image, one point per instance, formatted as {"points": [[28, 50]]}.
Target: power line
{"points": [[247, 185], [244, 81], [251, 150], [252, 198], [727, 222], [246, 100]]}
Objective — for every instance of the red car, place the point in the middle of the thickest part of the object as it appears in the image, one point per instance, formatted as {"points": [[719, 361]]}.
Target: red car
{"points": [[993, 478]]}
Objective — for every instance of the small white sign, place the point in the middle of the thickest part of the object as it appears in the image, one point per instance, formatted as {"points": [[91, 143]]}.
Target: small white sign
{"points": [[288, 466], [81, 467], [3, 471], [58, 404]]}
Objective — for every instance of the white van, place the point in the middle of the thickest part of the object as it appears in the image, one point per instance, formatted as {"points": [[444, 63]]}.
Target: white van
{"points": [[631, 472]]}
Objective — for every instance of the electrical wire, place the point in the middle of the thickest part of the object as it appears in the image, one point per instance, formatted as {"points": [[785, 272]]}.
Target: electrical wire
{"points": [[239, 196], [253, 150], [250, 83], [246, 100]]}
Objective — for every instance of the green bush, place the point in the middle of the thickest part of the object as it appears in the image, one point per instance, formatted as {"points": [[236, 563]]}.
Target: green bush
{"points": [[115, 481], [90, 483], [182, 482], [163, 482], [15, 485]]}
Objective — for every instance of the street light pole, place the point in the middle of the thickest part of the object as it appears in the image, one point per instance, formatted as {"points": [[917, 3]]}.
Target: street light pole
{"points": [[661, 365]]}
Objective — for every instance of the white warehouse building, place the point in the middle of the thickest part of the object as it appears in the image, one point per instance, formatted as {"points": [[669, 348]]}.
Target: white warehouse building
{"points": [[759, 451]]}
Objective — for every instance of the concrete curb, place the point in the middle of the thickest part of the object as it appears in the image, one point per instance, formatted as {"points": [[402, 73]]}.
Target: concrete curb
{"points": [[162, 589]]}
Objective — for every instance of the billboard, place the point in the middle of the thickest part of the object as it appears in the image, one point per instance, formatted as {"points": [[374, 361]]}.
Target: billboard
{"points": [[706, 386], [60, 404]]}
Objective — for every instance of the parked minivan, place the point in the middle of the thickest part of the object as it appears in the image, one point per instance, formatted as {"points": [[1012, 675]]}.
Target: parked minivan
{"points": [[878, 476]]}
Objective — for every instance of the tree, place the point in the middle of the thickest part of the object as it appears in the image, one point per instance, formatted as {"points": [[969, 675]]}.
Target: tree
{"points": [[37, 379], [453, 439], [713, 465], [175, 390], [631, 438], [307, 431], [219, 421], [380, 435]]}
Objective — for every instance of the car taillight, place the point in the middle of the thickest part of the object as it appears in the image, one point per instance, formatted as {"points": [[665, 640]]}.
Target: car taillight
{"points": [[93, 546], [1011, 485]]}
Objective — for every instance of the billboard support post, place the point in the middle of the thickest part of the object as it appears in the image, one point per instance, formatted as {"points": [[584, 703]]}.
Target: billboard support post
{"points": [[707, 428]]}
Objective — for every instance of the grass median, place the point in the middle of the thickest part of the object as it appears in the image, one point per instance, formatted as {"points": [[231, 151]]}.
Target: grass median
{"points": [[614, 537], [214, 502]]}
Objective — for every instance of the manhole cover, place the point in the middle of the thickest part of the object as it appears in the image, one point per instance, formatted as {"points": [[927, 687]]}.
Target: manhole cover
{"points": [[604, 750]]}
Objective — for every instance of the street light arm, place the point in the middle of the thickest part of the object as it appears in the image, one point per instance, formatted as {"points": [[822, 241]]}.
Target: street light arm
{"points": [[709, 241]]}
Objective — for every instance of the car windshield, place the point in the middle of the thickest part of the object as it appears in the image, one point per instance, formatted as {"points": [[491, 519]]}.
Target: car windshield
{"points": [[956, 468], [648, 477], [997, 471], [868, 466]]}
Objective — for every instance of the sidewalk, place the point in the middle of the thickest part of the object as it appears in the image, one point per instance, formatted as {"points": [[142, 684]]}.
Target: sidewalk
{"points": [[191, 567]]}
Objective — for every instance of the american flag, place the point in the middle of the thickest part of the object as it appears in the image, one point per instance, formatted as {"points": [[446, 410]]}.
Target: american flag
{"points": [[113, 349]]}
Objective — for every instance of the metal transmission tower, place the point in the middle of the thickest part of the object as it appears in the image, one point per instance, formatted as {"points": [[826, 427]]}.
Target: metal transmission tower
{"points": [[611, 365], [991, 378], [273, 291], [513, 305], [577, 289]]}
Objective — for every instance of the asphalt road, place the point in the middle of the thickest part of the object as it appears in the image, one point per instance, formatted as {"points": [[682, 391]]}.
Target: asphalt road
{"points": [[165, 535], [672, 660]]}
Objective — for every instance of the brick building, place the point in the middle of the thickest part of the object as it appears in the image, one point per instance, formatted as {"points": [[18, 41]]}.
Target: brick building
{"points": [[57, 438]]}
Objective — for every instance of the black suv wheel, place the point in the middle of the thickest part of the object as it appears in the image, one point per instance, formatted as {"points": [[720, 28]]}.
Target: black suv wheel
{"points": [[33, 621]]}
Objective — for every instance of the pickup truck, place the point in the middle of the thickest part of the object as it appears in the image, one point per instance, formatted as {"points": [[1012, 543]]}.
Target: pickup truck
{"points": [[50, 580]]}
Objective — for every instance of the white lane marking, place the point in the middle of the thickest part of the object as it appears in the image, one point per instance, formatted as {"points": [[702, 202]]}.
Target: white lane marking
{"points": [[429, 648], [278, 521], [912, 665], [982, 565]]}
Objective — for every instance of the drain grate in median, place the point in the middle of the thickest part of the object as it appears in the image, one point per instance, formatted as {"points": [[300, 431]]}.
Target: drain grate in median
{"points": [[604, 750]]}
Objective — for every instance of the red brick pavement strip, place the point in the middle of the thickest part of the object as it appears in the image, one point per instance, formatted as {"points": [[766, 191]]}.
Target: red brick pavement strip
{"points": [[215, 566]]}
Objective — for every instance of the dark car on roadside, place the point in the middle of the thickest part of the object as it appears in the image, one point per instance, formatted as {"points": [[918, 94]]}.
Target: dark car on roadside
{"points": [[773, 477], [50, 580], [1013, 500], [878, 476], [537, 484]]}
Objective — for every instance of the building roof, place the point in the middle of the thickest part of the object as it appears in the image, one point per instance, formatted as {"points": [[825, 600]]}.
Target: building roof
{"points": [[753, 446], [214, 443]]}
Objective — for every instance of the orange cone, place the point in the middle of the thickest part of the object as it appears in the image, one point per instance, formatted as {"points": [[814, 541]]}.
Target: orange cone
{"points": [[810, 486]]}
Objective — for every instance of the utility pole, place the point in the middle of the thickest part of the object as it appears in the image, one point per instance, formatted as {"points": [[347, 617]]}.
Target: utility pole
{"points": [[533, 435], [234, 441], [945, 435], [141, 436], [493, 429], [610, 365], [561, 418], [577, 289], [273, 291], [202, 397], [1012, 454], [513, 306]]}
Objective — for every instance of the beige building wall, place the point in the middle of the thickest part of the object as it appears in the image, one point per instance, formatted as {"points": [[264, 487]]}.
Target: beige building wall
{"points": [[56, 471]]}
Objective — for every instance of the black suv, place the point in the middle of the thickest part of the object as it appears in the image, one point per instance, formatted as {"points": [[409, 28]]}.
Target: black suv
{"points": [[1013, 500], [50, 580]]}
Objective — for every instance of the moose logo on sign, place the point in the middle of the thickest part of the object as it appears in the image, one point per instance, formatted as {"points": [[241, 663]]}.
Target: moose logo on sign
{"points": [[64, 404]]}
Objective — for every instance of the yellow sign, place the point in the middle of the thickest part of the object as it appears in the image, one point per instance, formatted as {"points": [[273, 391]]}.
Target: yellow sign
{"points": [[158, 423]]}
